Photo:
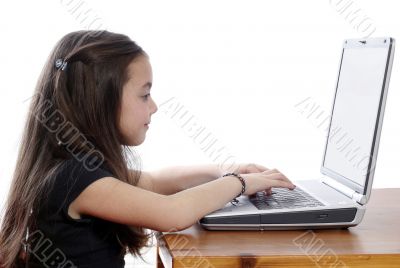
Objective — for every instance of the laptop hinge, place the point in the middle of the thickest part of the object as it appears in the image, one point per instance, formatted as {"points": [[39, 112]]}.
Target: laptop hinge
{"points": [[357, 197]]}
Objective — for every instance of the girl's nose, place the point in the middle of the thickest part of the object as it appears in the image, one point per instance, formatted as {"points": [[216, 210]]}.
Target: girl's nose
{"points": [[155, 108]]}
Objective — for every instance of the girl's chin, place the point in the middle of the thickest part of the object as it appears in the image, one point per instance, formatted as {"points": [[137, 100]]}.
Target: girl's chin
{"points": [[135, 142]]}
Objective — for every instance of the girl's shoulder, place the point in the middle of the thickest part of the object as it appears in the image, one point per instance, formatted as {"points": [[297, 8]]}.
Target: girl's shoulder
{"points": [[74, 174], [73, 164], [69, 180]]}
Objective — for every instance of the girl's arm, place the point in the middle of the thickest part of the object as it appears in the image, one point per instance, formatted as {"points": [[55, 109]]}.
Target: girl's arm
{"points": [[113, 200], [171, 180]]}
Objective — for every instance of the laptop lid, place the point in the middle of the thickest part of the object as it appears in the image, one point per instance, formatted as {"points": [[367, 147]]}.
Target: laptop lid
{"points": [[357, 112]]}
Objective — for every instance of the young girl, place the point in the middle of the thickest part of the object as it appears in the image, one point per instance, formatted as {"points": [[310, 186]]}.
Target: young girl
{"points": [[75, 198]]}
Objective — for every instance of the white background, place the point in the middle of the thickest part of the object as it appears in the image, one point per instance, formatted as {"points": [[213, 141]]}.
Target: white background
{"points": [[238, 68]]}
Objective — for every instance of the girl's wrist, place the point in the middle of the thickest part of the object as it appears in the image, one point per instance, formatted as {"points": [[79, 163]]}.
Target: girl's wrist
{"points": [[242, 181], [225, 168]]}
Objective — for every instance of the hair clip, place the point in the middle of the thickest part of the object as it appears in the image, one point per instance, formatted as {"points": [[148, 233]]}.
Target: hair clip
{"points": [[61, 64]]}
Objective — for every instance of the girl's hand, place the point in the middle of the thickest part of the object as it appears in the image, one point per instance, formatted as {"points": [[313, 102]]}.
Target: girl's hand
{"points": [[251, 168], [247, 168], [243, 168], [264, 181]]}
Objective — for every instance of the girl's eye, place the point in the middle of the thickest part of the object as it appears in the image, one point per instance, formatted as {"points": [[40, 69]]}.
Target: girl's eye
{"points": [[146, 96]]}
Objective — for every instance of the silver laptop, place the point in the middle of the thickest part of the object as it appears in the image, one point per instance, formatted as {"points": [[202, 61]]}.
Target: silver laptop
{"points": [[338, 198]]}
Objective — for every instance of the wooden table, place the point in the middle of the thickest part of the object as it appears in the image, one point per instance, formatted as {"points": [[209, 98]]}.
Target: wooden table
{"points": [[375, 242]]}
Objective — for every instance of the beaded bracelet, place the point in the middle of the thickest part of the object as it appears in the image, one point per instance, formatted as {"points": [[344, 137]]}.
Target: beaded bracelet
{"points": [[235, 201]]}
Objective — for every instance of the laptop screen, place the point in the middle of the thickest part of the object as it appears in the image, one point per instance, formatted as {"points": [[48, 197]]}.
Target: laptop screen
{"points": [[355, 113]]}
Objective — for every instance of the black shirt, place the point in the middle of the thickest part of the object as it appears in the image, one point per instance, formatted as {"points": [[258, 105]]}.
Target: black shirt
{"points": [[82, 243]]}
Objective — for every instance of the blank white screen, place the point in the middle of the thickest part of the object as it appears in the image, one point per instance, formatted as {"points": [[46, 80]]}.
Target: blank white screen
{"points": [[355, 112]]}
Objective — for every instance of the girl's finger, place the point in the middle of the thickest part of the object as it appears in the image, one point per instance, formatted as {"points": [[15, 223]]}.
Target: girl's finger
{"points": [[270, 171], [261, 168], [281, 180], [253, 168], [282, 184], [284, 178], [275, 171]]}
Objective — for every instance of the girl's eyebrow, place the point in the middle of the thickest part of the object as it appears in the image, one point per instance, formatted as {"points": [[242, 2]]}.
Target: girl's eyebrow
{"points": [[148, 84]]}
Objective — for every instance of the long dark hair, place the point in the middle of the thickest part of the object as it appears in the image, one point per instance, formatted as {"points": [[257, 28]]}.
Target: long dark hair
{"points": [[86, 94]]}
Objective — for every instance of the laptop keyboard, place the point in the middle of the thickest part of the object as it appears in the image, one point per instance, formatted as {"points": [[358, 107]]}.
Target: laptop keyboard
{"points": [[284, 198]]}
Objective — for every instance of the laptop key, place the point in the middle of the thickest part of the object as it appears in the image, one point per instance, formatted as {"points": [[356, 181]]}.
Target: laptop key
{"points": [[284, 198]]}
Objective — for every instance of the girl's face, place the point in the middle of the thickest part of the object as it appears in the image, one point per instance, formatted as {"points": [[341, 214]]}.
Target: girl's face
{"points": [[137, 106]]}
